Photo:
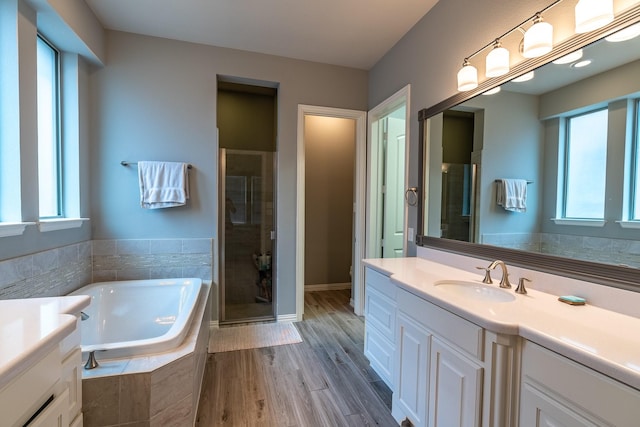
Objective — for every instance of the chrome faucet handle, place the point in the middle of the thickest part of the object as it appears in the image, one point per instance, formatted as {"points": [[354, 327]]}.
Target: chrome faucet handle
{"points": [[521, 289], [487, 275]]}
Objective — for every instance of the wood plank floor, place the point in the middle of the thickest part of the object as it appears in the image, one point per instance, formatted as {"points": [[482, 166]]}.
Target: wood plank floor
{"points": [[323, 381]]}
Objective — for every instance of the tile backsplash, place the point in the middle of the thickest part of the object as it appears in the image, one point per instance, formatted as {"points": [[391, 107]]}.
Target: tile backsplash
{"points": [[62, 270], [133, 259], [49, 273]]}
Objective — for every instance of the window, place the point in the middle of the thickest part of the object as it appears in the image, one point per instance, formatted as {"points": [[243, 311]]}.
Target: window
{"points": [[635, 194], [585, 166], [49, 148]]}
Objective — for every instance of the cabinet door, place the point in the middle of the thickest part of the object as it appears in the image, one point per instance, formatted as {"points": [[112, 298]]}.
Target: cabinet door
{"points": [[455, 388], [540, 410], [56, 414], [411, 374]]}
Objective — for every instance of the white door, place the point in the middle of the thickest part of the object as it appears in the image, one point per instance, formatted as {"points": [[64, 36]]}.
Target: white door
{"points": [[393, 189], [387, 178]]}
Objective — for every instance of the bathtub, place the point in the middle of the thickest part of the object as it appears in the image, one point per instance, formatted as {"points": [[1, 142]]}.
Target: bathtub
{"points": [[137, 317]]}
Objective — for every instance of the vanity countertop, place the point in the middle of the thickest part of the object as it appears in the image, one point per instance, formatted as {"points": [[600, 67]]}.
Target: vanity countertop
{"points": [[31, 328], [600, 339]]}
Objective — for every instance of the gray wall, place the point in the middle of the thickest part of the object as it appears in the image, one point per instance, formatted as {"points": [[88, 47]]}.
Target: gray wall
{"points": [[156, 100]]}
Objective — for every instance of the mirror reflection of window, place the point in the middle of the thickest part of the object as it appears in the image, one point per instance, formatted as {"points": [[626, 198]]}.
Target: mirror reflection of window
{"points": [[635, 204], [585, 165]]}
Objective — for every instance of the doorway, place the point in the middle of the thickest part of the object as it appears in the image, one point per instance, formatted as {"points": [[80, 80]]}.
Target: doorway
{"points": [[357, 292], [387, 213], [247, 165]]}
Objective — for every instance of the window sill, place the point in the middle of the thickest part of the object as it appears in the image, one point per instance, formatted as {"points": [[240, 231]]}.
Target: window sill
{"points": [[13, 228], [46, 225], [580, 222], [629, 224]]}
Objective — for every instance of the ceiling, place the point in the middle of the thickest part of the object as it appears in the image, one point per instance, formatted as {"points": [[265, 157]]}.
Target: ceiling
{"points": [[351, 33]]}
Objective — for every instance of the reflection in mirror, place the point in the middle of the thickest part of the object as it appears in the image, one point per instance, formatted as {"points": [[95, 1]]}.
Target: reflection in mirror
{"points": [[570, 135]]}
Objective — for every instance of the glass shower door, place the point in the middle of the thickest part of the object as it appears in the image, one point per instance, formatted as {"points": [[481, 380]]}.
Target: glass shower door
{"points": [[247, 222]]}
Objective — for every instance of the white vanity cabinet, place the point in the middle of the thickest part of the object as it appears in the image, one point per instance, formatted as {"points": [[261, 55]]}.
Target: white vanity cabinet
{"points": [[45, 389], [380, 328], [449, 371], [558, 392]]}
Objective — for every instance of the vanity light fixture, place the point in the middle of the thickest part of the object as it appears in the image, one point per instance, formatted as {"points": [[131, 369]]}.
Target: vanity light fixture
{"points": [[569, 58], [538, 40], [524, 78], [625, 34], [593, 14], [467, 77], [497, 61]]}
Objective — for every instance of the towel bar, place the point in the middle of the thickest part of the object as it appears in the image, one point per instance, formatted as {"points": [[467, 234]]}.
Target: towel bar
{"points": [[125, 163], [499, 180]]}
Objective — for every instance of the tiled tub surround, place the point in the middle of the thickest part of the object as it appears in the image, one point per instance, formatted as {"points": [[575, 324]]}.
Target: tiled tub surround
{"points": [[156, 390], [135, 259], [610, 251], [49, 273]]}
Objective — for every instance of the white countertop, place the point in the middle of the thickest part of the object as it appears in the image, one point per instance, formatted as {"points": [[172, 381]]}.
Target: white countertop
{"points": [[31, 328], [600, 339]]}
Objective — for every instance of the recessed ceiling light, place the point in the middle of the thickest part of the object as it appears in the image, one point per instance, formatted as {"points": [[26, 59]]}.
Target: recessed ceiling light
{"points": [[582, 63], [625, 34], [571, 57], [492, 91], [524, 77]]}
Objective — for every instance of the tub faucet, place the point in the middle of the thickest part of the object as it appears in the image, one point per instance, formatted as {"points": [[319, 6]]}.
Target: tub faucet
{"points": [[504, 282], [92, 363]]}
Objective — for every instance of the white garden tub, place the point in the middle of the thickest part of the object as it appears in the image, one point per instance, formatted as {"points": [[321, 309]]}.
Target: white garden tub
{"points": [[137, 317]]}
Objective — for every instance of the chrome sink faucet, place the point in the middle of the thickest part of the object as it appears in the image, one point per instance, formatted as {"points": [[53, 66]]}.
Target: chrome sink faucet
{"points": [[504, 282]]}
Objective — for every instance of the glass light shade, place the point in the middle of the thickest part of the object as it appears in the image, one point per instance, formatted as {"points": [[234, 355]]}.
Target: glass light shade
{"points": [[524, 78], [593, 14], [538, 40], [492, 91], [497, 62], [467, 78], [571, 57], [625, 34]]}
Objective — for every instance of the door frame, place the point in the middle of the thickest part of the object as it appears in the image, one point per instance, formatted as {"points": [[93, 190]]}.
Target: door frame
{"points": [[373, 211], [357, 279]]}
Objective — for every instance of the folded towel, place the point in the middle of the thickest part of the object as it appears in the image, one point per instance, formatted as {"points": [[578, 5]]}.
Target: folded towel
{"points": [[511, 194], [163, 184]]}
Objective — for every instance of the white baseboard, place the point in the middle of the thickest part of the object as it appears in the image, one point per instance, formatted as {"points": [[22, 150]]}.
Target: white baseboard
{"points": [[284, 318], [351, 302], [214, 324], [327, 287]]}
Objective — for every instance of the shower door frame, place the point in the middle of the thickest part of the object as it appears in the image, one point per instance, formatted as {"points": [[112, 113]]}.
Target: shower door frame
{"points": [[222, 181]]}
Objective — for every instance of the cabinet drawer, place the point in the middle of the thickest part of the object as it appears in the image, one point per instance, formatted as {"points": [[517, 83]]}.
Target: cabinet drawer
{"points": [[379, 282], [463, 334], [576, 390], [380, 312], [379, 351]]}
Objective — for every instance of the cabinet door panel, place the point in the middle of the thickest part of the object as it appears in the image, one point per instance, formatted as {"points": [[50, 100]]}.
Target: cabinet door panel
{"points": [[540, 410], [412, 355], [456, 384]]}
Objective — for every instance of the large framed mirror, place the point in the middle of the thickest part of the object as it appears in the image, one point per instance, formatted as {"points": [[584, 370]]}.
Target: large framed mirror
{"points": [[571, 134]]}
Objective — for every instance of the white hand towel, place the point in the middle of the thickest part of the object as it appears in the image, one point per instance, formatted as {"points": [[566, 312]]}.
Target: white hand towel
{"points": [[512, 194], [163, 184]]}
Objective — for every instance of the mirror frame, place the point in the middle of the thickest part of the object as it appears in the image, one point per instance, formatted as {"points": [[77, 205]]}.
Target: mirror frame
{"points": [[606, 274]]}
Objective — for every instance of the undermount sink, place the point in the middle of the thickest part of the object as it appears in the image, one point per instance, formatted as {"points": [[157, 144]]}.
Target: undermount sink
{"points": [[476, 290]]}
